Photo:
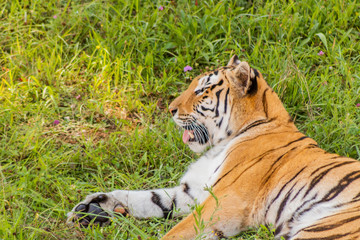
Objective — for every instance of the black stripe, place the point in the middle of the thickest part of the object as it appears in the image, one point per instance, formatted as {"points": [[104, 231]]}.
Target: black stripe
{"points": [[302, 206], [357, 196], [343, 183], [197, 92], [217, 168], [332, 226], [315, 145], [282, 189], [273, 164], [218, 84], [331, 237], [218, 102], [272, 150], [278, 229], [283, 203], [355, 209], [254, 124], [264, 102], [206, 109], [285, 237], [260, 157], [320, 176], [297, 140], [200, 113], [335, 191], [226, 100], [208, 79], [265, 134], [279, 158], [324, 166], [298, 192], [219, 124], [186, 190], [219, 179], [156, 199]]}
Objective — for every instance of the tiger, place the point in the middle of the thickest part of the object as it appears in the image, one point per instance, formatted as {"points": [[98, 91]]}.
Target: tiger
{"points": [[256, 169]]}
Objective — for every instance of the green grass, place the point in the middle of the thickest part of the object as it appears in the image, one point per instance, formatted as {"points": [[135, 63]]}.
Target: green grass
{"points": [[107, 70]]}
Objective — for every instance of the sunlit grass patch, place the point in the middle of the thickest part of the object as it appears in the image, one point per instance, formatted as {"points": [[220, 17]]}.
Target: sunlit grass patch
{"points": [[106, 71]]}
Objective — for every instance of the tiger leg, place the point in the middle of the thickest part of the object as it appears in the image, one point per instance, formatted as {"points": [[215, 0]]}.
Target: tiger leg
{"points": [[219, 218], [140, 204]]}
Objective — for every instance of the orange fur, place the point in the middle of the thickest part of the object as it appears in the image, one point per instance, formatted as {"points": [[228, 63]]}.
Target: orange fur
{"points": [[272, 169]]}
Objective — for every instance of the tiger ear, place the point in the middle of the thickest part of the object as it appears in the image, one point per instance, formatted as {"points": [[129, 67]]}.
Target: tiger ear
{"points": [[242, 76], [234, 61]]}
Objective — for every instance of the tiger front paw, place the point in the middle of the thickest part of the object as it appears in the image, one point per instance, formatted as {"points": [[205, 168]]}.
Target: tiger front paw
{"points": [[96, 209]]}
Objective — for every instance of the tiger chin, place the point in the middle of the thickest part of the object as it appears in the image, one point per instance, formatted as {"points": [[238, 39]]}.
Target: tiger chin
{"points": [[259, 167]]}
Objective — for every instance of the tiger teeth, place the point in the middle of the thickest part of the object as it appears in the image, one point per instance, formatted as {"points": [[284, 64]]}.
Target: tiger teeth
{"points": [[191, 135]]}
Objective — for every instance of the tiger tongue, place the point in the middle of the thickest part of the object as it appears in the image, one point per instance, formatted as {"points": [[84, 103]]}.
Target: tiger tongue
{"points": [[187, 135]]}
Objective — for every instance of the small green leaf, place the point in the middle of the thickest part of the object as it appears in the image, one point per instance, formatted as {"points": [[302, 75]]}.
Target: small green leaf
{"points": [[323, 39]]}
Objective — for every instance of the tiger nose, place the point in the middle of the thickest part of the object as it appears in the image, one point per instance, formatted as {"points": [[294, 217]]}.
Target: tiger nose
{"points": [[173, 111]]}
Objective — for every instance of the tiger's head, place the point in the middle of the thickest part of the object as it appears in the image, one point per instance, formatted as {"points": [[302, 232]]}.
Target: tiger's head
{"points": [[221, 104]]}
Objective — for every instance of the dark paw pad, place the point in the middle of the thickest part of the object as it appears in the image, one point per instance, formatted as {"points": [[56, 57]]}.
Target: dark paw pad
{"points": [[91, 213]]}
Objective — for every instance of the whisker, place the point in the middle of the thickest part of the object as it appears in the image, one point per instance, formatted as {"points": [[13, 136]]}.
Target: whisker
{"points": [[200, 133], [197, 134]]}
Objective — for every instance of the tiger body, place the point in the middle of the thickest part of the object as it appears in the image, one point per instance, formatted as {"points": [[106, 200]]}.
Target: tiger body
{"points": [[260, 169]]}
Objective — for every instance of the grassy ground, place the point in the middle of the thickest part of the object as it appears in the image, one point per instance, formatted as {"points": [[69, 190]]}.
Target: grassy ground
{"points": [[84, 87]]}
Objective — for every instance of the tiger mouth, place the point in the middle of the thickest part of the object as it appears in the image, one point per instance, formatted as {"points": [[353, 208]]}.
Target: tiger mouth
{"points": [[188, 136], [195, 133]]}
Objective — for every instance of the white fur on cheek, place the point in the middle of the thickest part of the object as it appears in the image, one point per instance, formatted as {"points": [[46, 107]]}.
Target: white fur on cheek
{"points": [[196, 147]]}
